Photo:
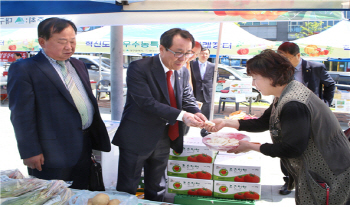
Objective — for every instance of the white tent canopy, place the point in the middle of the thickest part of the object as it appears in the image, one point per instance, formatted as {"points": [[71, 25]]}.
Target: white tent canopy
{"points": [[336, 40]]}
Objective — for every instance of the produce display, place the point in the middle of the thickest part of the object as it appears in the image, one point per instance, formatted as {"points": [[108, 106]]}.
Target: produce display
{"points": [[54, 192], [230, 167], [85, 197], [187, 186], [193, 151], [240, 115], [223, 141], [235, 190], [190, 169]]}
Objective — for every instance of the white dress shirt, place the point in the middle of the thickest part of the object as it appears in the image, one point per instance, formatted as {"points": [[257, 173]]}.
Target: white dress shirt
{"points": [[202, 68]]}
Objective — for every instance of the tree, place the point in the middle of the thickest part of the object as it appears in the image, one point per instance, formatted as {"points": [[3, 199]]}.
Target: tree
{"points": [[310, 28]]}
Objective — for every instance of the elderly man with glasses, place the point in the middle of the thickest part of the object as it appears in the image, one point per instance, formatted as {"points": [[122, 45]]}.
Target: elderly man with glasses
{"points": [[159, 101], [314, 76]]}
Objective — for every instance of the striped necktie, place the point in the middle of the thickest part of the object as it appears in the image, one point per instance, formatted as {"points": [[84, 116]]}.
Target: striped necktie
{"points": [[75, 93]]}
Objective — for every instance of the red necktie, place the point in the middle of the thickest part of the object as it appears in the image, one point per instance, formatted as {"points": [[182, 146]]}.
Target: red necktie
{"points": [[173, 129]]}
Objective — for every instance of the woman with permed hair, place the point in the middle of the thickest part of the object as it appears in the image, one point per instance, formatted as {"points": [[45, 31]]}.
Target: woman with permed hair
{"points": [[305, 133]]}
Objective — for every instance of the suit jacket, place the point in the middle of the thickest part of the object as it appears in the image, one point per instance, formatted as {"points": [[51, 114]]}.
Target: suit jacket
{"points": [[318, 80], [44, 116], [147, 109], [205, 85]]}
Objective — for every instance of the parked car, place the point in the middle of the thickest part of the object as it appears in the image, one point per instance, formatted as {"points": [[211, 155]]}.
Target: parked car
{"points": [[92, 63]]}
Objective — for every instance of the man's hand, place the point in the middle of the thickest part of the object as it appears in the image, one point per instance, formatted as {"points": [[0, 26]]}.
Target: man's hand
{"points": [[34, 162], [192, 120], [219, 124], [201, 116]]}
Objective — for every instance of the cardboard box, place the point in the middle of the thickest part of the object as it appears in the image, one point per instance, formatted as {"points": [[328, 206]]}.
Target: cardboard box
{"points": [[192, 148], [190, 169], [245, 168], [237, 190], [187, 186], [200, 200]]}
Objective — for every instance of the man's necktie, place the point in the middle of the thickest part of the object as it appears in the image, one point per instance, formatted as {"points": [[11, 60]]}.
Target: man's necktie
{"points": [[173, 129], [74, 91]]}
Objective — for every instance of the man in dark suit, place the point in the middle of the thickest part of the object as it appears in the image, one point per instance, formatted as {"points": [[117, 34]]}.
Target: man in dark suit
{"points": [[53, 111], [314, 76], [202, 81], [150, 123]]}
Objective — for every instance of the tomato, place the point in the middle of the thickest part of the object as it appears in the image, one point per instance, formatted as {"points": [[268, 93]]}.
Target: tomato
{"points": [[223, 172], [325, 52], [260, 17], [204, 192], [234, 13], [192, 192], [192, 158], [191, 175], [203, 175], [177, 185], [239, 52], [249, 14], [177, 168], [245, 51], [12, 47], [251, 195], [204, 158], [251, 178], [239, 178], [239, 196], [223, 189], [220, 13]]}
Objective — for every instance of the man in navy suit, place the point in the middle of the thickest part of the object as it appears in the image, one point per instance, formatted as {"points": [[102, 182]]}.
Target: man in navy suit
{"points": [[314, 76], [202, 81], [145, 133], [53, 111]]}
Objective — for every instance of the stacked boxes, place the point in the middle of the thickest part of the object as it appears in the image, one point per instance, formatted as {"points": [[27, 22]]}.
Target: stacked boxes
{"points": [[242, 86], [199, 171], [191, 171], [237, 177]]}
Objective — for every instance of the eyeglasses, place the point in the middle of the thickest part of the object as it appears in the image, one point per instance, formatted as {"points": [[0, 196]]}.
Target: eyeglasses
{"points": [[180, 54]]}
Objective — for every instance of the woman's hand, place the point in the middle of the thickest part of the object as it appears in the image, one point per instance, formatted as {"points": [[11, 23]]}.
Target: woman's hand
{"points": [[245, 146], [219, 124]]}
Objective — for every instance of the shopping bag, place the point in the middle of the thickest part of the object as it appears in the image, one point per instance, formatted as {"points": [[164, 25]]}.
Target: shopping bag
{"points": [[96, 179]]}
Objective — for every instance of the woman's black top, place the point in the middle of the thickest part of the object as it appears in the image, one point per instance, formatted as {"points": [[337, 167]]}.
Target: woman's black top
{"points": [[295, 130]]}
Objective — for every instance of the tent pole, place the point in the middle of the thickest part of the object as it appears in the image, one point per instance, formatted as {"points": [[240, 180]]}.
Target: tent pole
{"points": [[116, 72], [215, 73], [99, 66]]}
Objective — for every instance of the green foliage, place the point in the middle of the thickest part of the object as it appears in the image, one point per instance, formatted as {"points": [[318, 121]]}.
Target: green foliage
{"points": [[310, 28]]}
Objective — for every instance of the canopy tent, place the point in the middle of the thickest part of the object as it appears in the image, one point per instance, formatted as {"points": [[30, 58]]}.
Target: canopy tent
{"points": [[333, 42], [90, 13], [235, 40]]}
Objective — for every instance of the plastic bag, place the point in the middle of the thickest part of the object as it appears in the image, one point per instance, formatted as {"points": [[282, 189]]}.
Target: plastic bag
{"points": [[15, 174], [82, 197], [16, 187]]}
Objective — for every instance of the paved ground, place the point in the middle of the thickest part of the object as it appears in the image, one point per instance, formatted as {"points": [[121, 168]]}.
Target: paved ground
{"points": [[271, 178]]}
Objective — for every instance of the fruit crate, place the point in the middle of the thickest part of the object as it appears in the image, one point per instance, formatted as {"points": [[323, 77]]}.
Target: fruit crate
{"points": [[201, 200]]}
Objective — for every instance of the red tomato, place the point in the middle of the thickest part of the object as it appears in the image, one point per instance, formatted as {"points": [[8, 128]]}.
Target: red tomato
{"points": [[203, 175], [204, 192], [192, 158], [204, 158], [325, 52], [245, 51], [191, 175], [12, 47], [192, 192], [220, 13], [251, 195], [239, 52], [251, 178], [239, 178], [249, 14], [239, 196]]}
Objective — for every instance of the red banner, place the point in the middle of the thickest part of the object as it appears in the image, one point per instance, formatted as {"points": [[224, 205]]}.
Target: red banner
{"points": [[10, 56]]}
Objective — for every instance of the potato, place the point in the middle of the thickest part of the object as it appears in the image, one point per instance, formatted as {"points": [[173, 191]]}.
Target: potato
{"points": [[114, 202], [100, 199], [90, 201]]}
